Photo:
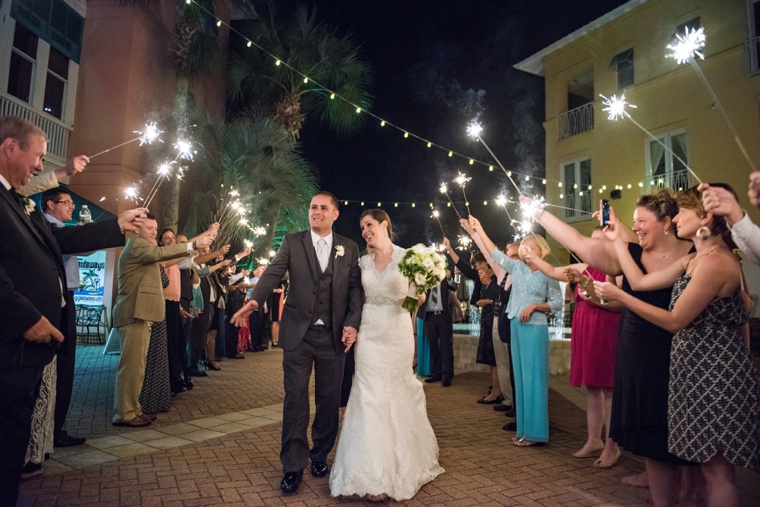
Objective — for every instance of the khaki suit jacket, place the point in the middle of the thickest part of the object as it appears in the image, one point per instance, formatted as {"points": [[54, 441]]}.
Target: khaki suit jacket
{"points": [[140, 295]]}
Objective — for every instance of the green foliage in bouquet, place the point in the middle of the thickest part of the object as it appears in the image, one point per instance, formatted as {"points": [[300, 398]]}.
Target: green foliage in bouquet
{"points": [[424, 268]]}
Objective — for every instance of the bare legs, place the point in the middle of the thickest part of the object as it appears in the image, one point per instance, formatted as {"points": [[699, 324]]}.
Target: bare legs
{"points": [[598, 408], [663, 482], [720, 482], [611, 452], [496, 388], [275, 332]]}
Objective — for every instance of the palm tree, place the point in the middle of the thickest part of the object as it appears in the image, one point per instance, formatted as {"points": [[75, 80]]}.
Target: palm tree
{"points": [[260, 161], [313, 49]]}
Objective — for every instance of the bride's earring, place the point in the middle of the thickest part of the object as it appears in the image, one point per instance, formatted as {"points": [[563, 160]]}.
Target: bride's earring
{"points": [[703, 232], [666, 231]]}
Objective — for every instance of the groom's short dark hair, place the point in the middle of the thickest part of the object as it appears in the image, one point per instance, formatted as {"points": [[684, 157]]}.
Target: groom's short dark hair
{"points": [[327, 194]]}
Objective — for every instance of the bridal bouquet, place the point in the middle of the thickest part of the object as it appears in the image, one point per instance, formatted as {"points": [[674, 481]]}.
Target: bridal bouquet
{"points": [[424, 268]]}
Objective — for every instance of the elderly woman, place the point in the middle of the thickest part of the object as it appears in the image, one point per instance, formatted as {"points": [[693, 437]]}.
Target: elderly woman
{"points": [[534, 295], [713, 404]]}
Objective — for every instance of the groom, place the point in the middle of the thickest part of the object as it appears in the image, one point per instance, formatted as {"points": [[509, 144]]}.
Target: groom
{"points": [[319, 324]]}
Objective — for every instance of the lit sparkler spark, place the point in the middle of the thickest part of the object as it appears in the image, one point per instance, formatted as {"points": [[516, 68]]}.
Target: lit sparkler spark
{"points": [[184, 149], [102, 198], [165, 169], [501, 200], [150, 134], [259, 231], [243, 221], [248, 243], [436, 215], [462, 180], [464, 242], [688, 45], [615, 107], [131, 193], [532, 208], [474, 129], [272, 253]]}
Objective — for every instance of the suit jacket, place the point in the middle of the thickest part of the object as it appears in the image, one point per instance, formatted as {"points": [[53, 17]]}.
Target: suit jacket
{"points": [[31, 274], [298, 258], [446, 286], [141, 296]]}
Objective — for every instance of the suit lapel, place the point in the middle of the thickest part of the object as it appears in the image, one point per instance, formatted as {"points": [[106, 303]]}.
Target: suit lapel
{"points": [[25, 219], [311, 255]]}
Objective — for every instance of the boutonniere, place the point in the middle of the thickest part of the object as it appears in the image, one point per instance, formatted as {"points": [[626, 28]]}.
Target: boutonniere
{"points": [[340, 251], [28, 205]]}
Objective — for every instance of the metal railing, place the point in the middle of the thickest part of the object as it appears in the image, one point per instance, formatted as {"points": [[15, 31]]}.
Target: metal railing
{"points": [[579, 206], [678, 180], [752, 50], [576, 121], [57, 132]]}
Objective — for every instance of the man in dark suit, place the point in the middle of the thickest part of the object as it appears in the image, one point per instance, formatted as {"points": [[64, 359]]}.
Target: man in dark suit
{"points": [[319, 324], [439, 330], [32, 285]]}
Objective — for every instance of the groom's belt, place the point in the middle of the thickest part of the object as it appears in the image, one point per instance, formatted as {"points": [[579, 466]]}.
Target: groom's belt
{"points": [[435, 312]]}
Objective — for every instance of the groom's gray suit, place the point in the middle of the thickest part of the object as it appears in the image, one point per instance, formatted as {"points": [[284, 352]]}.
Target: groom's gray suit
{"points": [[333, 296]]}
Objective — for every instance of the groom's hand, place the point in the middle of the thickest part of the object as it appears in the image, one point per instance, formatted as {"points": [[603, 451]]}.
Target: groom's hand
{"points": [[349, 337], [241, 316]]}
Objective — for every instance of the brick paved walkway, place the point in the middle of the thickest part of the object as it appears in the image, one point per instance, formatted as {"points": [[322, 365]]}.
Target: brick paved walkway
{"points": [[219, 444]]}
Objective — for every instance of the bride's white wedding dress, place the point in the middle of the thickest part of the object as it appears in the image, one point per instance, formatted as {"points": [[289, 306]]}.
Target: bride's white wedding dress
{"points": [[386, 444]]}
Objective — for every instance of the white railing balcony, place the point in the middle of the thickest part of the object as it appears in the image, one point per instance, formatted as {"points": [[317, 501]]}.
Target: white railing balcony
{"points": [[578, 207], [752, 50], [576, 121], [678, 180], [57, 132]]}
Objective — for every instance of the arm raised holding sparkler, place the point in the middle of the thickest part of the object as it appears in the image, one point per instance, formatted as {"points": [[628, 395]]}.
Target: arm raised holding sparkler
{"points": [[721, 201]]}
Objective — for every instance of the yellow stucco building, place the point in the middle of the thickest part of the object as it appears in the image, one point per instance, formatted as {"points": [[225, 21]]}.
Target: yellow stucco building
{"points": [[589, 157]]}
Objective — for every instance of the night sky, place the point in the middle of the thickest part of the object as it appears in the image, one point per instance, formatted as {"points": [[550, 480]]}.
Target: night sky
{"points": [[438, 64]]}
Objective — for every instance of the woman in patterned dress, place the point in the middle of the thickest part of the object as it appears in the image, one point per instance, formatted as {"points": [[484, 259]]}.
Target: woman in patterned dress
{"points": [[713, 397], [156, 394]]}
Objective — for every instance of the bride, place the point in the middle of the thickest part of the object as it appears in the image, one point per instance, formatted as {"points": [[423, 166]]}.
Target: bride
{"points": [[387, 447]]}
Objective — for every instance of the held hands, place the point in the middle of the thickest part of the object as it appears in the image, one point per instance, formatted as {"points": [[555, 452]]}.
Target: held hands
{"points": [[240, 317], [43, 332], [132, 220], [349, 337]]}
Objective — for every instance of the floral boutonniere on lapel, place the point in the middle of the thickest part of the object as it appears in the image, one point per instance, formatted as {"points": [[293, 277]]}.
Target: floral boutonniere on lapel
{"points": [[28, 205], [340, 251]]}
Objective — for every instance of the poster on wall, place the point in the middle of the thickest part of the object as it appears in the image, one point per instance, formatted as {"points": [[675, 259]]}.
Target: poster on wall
{"points": [[92, 276]]}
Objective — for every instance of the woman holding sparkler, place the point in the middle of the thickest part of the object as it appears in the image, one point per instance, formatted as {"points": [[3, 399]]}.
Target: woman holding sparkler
{"points": [[713, 399], [639, 421], [534, 295], [592, 363]]}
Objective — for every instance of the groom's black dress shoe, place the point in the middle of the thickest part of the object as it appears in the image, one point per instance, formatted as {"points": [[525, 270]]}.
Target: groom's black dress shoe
{"points": [[318, 468], [432, 379], [291, 481]]}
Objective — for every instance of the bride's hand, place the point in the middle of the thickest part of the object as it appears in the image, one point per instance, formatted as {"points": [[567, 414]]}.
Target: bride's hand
{"points": [[349, 337]]}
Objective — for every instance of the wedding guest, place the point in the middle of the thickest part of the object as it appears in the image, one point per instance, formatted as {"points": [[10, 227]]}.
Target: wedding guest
{"points": [[538, 295], [156, 393], [592, 346], [274, 303], [714, 392], [639, 418], [175, 339]]}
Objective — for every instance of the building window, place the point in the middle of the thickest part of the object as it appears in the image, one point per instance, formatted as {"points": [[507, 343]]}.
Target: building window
{"points": [[52, 21], [623, 65], [56, 83], [23, 64], [666, 161], [577, 195]]}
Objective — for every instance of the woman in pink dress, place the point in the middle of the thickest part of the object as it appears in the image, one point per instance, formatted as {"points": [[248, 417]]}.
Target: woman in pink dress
{"points": [[592, 360]]}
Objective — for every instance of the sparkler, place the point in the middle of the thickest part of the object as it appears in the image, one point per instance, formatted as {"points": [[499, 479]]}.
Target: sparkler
{"points": [[131, 193], [147, 136], [445, 190], [464, 242], [615, 107], [436, 215], [164, 171], [184, 149], [687, 49], [462, 181], [473, 130], [501, 200]]}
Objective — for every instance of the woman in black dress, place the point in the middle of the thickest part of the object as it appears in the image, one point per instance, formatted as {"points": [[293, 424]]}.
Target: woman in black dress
{"points": [[156, 394]]}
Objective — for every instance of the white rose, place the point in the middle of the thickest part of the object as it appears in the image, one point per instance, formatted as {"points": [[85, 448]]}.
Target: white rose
{"points": [[420, 279]]}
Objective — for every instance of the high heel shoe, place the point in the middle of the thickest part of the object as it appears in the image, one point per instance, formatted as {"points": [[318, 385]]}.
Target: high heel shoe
{"points": [[484, 401], [591, 452], [607, 464]]}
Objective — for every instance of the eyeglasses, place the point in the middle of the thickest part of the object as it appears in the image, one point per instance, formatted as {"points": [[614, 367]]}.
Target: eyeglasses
{"points": [[67, 203]]}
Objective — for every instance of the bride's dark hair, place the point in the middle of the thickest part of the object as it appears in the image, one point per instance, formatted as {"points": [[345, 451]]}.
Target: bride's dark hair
{"points": [[380, 216]]}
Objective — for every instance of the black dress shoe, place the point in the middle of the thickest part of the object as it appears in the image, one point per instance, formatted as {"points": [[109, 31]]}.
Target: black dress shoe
{"points": [[446, 382], [502, 407], [195, 372], [189, 383], [510, 426], [319, 468], [432, 379], [291, 481], [66, 440], [178, 390]]}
